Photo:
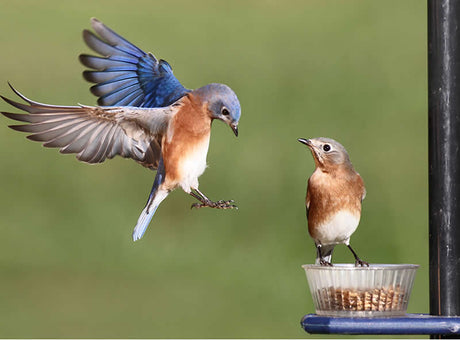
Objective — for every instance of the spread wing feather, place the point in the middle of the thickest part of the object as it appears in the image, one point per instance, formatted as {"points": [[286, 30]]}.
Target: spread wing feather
{"points": [[95, 133], [126, 75]]}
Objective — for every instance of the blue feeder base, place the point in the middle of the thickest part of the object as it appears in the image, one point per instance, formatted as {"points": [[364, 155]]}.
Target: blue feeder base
{"points": [[409, 324]]}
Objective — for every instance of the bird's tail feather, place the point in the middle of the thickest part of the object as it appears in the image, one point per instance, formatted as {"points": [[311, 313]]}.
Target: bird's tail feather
{"points": [[155, 198], [157, 195]]}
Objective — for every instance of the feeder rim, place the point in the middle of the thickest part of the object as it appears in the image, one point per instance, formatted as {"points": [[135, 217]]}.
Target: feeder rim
{"points": [[372, 266]]}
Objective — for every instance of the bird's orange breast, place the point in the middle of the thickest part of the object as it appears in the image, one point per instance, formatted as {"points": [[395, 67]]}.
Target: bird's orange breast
{"points": [[328, 194], [187, 138]]}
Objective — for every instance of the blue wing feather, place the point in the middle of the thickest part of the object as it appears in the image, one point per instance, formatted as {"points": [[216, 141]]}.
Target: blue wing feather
{"points": [[126, 75]]}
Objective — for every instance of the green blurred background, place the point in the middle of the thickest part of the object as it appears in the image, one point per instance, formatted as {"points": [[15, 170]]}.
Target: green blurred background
{"points": [[351, 70]]}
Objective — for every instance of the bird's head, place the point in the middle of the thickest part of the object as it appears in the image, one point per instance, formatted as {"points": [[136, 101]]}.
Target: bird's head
{"points": [[327, 152], [223, 104]]}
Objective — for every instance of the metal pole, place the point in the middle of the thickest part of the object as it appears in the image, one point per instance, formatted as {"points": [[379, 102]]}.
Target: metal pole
{"points": [[444, 155]]}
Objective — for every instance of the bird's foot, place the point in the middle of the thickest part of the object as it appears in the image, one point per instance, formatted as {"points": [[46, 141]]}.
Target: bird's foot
{"points": [[325, 263], [361, 263], [221, 204]]}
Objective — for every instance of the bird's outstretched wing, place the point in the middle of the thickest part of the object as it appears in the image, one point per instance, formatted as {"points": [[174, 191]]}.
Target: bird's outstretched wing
{"points": [[125, 75], [95, 133]]}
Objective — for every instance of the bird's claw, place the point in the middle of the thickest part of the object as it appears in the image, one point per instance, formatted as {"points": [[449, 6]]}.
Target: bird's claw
{"points": [[361, 263], [221, 204], [323, 262]]}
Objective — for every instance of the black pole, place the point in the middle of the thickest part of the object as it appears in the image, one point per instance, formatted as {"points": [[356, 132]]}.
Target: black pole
{"points": [[444, 155]]}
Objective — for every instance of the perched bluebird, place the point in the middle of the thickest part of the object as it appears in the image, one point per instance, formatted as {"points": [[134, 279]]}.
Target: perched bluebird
{"points": [[335, 192], [144, 113]]}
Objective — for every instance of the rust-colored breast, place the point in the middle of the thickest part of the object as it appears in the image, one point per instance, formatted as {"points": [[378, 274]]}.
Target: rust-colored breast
{"points": [[329, 193], [190, 127]]}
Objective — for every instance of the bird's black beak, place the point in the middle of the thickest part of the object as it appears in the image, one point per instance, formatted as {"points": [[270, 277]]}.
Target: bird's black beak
{"points": [[235, 129], [307, 142]]}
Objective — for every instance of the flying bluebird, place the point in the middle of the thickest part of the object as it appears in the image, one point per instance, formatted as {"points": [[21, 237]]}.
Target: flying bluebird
{"points": [[335, 192], [144, 113]]}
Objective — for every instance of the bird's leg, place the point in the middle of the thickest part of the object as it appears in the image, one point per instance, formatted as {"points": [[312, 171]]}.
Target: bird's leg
{"points": [[358, 261], [206, 202], [322, 261]]}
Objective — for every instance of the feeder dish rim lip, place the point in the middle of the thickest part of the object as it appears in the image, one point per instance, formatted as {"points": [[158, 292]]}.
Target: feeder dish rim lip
{"points": [[350, 266]]}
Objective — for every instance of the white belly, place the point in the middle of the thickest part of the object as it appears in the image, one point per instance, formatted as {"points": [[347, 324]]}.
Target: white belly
{"points": [[193, 165], [337, 229]]}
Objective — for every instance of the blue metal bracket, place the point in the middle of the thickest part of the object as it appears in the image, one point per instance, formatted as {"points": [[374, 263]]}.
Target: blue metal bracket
{"points": [[409, 324]]}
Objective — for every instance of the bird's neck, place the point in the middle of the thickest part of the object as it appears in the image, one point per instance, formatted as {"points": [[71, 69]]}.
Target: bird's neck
{"points": [[337, 170]]}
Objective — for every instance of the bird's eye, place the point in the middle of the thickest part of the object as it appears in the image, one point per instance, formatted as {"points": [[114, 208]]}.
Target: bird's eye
{"points": [[225, 112], [326, 147]]}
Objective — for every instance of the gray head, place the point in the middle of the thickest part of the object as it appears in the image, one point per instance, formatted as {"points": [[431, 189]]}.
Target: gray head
{"points": [[222, 103], [327, 152]]}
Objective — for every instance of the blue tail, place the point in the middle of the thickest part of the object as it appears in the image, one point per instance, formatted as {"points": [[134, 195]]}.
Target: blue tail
{"points": [[154, 201], [157, 195]]}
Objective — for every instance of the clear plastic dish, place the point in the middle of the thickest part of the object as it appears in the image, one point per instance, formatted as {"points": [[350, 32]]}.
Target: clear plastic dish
{"points": [[349, 291]]}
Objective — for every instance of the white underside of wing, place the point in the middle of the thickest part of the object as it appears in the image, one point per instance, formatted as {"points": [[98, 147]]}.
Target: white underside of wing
{"points": [[155, 120]]}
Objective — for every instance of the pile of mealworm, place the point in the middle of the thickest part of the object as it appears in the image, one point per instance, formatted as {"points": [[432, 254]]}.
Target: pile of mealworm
{"points": [[382, 299]]}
